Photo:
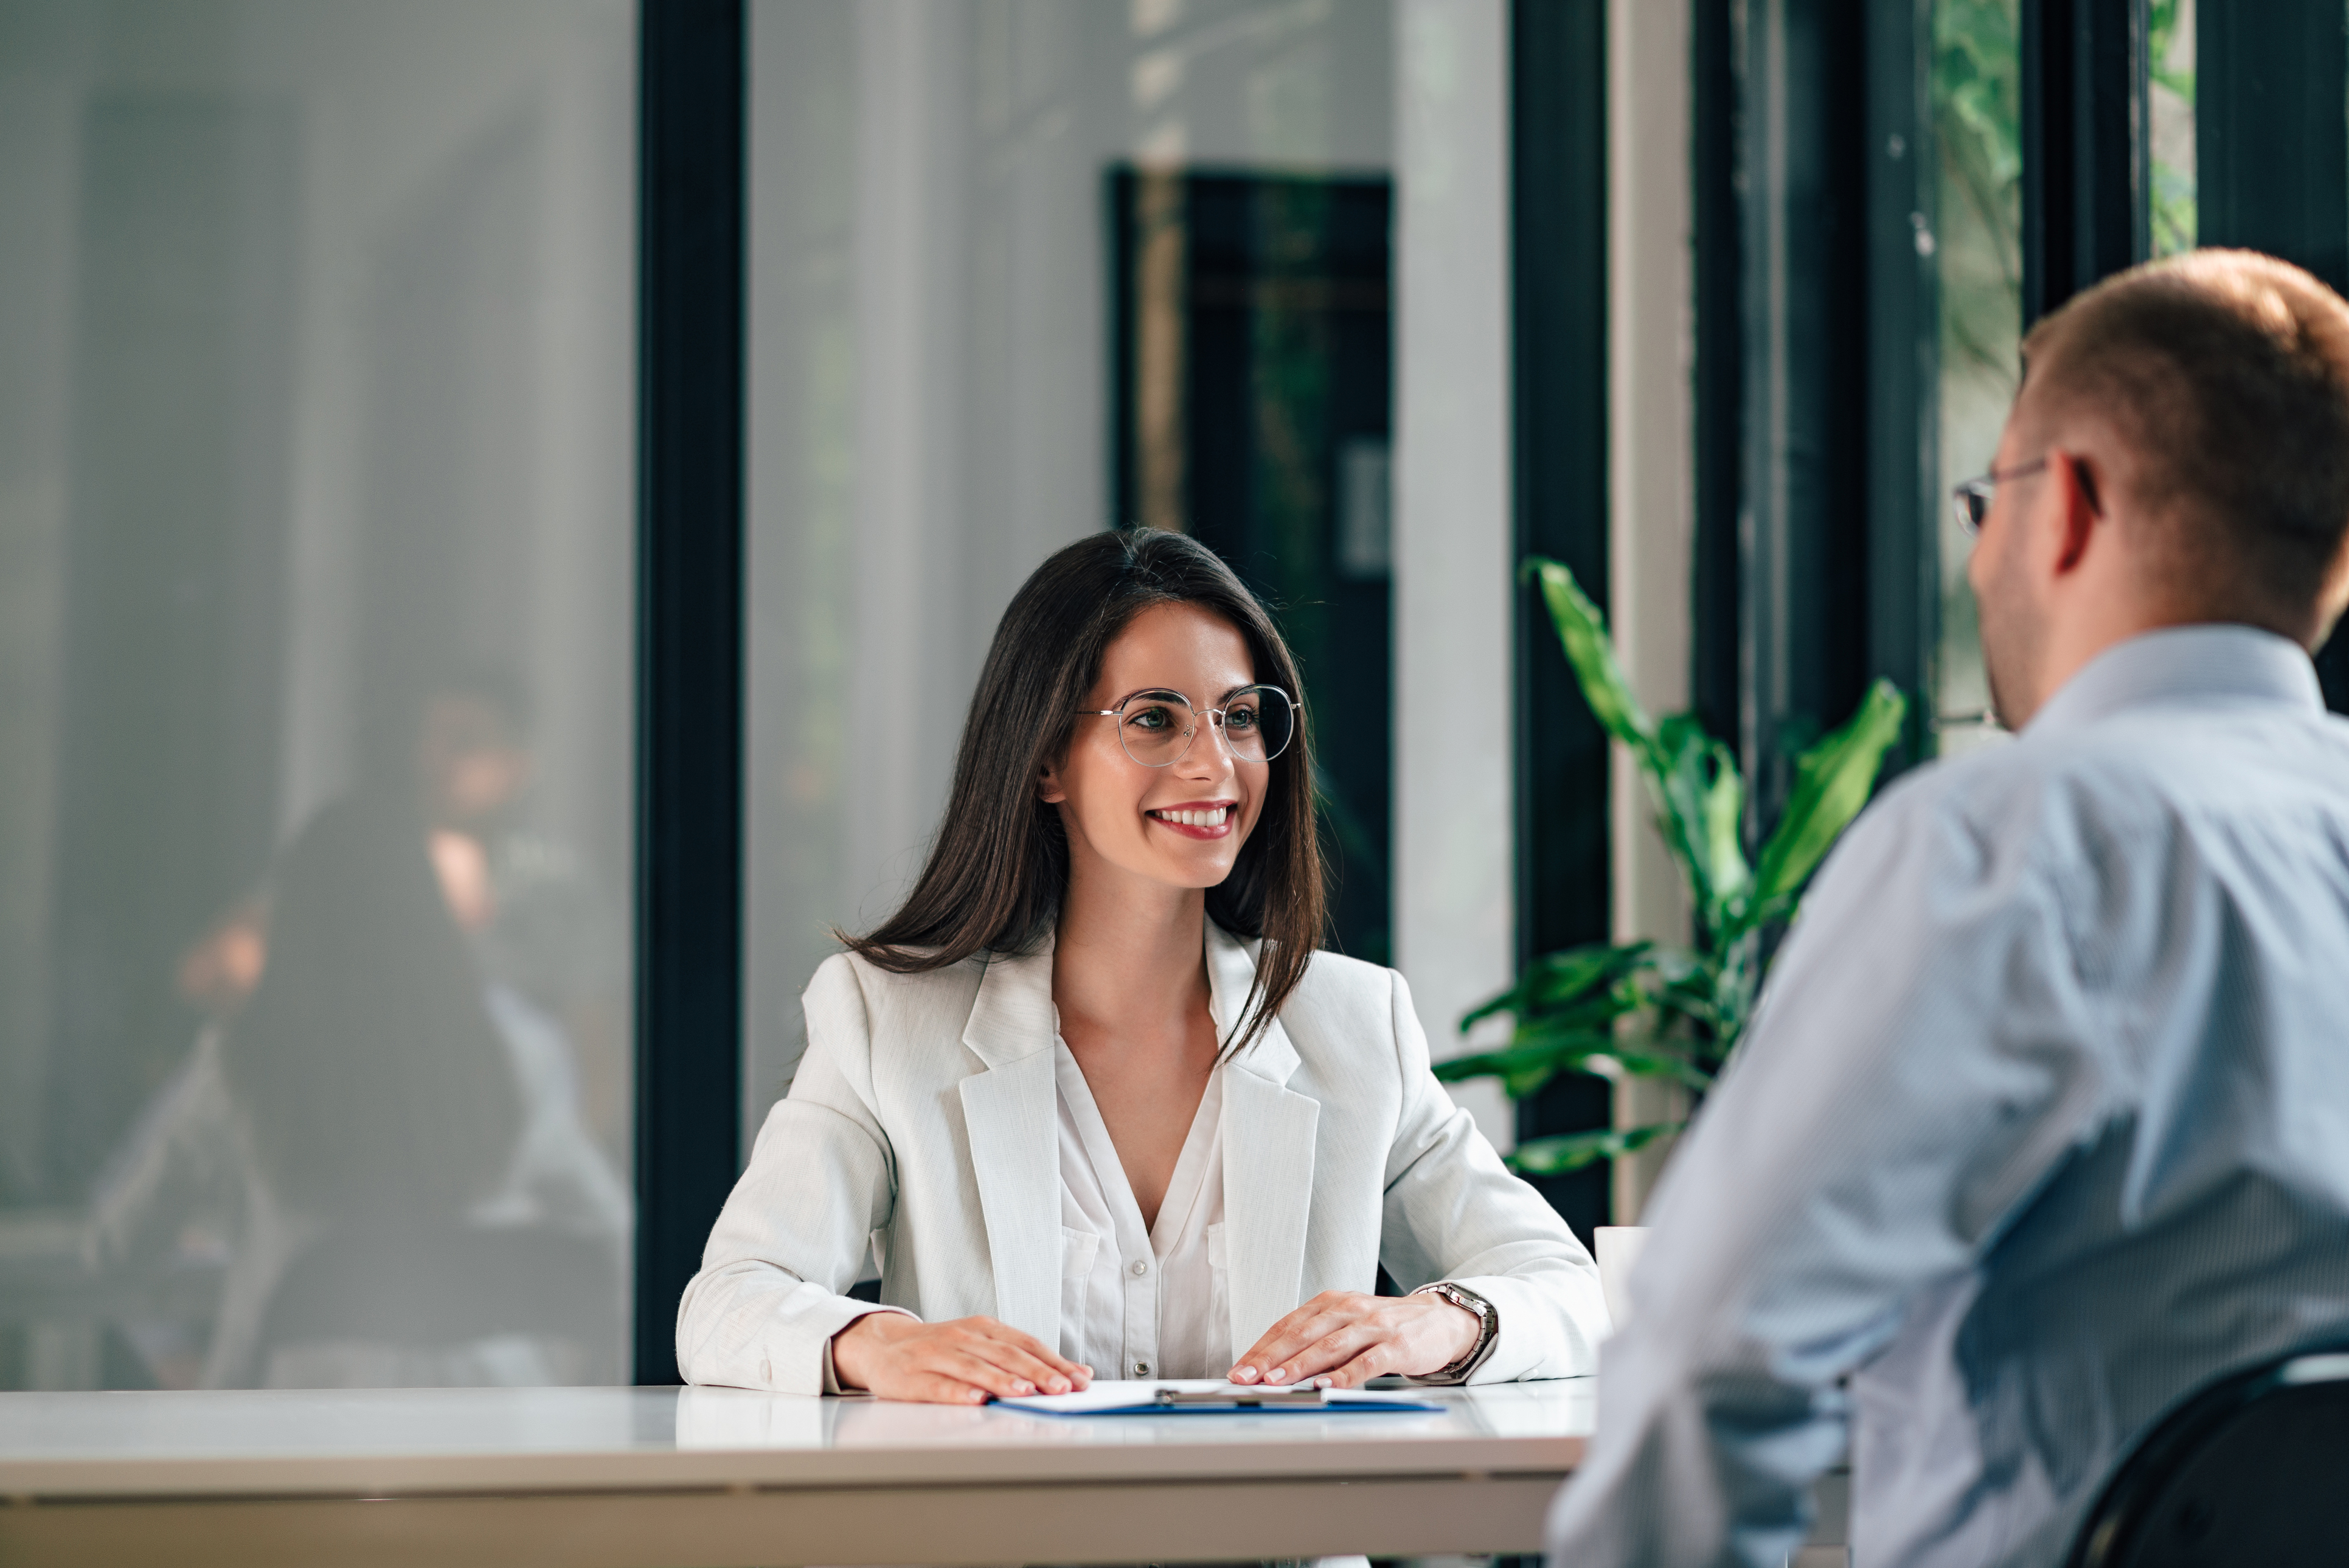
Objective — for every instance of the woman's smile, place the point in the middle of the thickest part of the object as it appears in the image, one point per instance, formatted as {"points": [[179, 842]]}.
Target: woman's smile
{"points": [[1196, 818]]}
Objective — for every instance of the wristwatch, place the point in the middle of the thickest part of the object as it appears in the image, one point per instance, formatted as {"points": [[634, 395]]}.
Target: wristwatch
{"points": [[1488, 1330]]}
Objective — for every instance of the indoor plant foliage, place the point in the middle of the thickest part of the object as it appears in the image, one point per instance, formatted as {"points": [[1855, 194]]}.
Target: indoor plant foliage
{"points": [[1654, 1010]]}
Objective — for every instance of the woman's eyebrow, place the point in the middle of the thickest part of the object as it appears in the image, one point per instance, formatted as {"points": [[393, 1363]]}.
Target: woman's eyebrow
{"points": [[1229, 692]]}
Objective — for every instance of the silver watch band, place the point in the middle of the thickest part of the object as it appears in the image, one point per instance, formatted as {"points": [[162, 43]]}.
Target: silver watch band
{"points": [[1488, 1330]]}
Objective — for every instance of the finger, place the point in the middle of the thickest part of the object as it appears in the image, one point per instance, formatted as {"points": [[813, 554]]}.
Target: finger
{"points": [[1290, 1336], [1076, 1373], [979, 1372], [1333, 1349], [1282, 1340], [1046, 1377], [1301, 1328], [1375, 1361], [935, 1388]]}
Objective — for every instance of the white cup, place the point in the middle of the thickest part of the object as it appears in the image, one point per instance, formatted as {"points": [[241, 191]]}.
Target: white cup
{"points": [[1616, 1248]]}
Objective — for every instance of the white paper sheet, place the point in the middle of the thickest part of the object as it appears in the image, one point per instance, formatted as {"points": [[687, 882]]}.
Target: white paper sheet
{"points": [[1140, 1398]]}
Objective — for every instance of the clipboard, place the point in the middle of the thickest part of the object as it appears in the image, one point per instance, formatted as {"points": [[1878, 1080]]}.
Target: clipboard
{"points": [[1214, 1396]]}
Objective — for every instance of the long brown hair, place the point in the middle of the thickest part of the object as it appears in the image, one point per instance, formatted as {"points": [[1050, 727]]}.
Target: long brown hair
{"points": [[1001, 859]]}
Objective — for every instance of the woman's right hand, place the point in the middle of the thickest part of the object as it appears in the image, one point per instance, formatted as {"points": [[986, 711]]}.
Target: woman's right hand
{"points": [[958, 1363]]}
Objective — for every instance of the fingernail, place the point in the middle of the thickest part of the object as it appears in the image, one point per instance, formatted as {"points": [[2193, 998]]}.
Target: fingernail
{"points": [[1321, 1382], [1058, 1385], [1023, 1386], [1276, 1374]]}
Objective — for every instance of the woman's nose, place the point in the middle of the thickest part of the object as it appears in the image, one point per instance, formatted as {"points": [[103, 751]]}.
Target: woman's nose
{"points": [[1216, 755]]}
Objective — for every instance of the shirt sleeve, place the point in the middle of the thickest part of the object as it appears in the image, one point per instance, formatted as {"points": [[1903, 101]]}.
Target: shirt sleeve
{"points": [[791, 1239], [1454, 1211], [1919, 1065]]}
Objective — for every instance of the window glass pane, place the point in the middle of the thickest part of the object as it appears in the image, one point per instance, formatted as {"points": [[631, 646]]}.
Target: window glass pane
{"points": [[1021, 272], [2170, 53], [315, 552], [1977, 126]]}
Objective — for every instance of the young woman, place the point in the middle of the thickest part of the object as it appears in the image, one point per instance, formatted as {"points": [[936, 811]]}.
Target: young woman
{"points": [[1091, 1091]]}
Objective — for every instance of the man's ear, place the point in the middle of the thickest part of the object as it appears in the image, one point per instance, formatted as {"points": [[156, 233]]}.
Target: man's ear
{"points": [[2078, 509]]}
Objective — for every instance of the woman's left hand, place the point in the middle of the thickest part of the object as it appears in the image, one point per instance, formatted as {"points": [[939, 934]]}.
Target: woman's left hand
{"points": [[1342, 1339]]}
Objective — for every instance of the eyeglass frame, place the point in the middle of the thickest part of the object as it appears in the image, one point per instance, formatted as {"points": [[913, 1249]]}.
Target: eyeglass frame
{"points": [[1296, 710], [1983, 486]]}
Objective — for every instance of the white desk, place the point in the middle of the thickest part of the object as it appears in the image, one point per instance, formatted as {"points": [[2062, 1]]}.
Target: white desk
{"points": [[627, 1478]]}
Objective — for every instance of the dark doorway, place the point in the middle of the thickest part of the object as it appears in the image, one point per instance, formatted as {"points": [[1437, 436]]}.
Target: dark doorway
{"points": [[1253, 354]]}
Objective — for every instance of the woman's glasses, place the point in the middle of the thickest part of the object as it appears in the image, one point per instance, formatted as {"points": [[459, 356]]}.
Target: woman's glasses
{"points": [[1156, 728]]}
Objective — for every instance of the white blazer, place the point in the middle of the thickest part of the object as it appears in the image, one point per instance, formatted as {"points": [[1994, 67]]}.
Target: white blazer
{"points": [[923, 1119]]}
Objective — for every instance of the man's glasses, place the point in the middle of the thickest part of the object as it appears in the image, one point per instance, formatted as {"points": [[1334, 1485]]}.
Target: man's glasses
{"points": [[1156, 728], [1971, 500]]}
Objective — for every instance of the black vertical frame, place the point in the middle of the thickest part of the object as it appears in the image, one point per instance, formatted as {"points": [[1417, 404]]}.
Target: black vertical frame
{"points": [[1716, 172], [689, 632], [2086, 164], [1558, 340], [1802, 521], [1903, 356], [1818, 311], [2271, 160]]}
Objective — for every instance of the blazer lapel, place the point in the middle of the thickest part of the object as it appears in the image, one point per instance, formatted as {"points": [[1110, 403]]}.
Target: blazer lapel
{"points": [[1268, 1156], [1009, 1113]]}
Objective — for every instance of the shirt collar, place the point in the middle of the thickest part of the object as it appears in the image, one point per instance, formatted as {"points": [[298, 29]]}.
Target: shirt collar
{"points": [[2189, 664]]}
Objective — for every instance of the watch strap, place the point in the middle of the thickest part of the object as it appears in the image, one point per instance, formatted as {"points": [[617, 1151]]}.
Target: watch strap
{"points": [[1488, 1330]]}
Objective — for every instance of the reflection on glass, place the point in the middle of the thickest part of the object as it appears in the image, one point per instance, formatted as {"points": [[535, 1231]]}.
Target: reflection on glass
{"points": [[1978, 126], [2169, 50], [934, 384], [1255, 335], [314, 575]]}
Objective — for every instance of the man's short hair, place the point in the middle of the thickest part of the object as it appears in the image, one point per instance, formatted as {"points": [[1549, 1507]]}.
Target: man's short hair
{"points": [[2227, 374]]}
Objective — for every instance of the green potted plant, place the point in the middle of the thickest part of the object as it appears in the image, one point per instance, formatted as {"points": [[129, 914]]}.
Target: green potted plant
{"points": [[1651, 1009]]}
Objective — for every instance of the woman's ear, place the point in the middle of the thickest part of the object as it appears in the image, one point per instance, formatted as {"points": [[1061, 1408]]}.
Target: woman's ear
{"points": [[1049, 788]]}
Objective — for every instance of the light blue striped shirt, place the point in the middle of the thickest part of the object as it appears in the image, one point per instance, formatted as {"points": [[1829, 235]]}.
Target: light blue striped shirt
{"points": [[2044, 1122]]}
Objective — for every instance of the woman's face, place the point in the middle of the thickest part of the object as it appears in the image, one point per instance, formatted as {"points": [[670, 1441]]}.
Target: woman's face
{"points": [[1181, 825]]}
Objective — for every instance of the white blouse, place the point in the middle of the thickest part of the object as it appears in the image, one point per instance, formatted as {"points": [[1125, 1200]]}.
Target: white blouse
{"points": [[1137, 1302]]}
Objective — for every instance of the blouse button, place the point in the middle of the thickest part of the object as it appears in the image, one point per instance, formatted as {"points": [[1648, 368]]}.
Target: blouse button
{"points": [[1140, 1268], [1142, 1368]]}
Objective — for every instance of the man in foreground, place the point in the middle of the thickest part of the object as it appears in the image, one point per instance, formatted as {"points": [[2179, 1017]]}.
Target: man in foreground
{"points": [[2043, 1121]]}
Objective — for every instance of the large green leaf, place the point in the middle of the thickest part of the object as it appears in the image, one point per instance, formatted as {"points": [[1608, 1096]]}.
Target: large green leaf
{"points": [[1691, 777], [1523, 1068], [1832, 781], [1631, 1053], [1691, 1006], [1582, 631], [1559, 980], [1699, 800], [1572, 1151]]}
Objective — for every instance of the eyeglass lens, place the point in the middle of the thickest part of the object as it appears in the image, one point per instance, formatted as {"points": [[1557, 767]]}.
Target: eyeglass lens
{"points": [[1973, 499], [1157, 728]]}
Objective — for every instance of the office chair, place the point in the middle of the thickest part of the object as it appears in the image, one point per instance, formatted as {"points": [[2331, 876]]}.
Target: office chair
{"points": [[2254, 1469]]}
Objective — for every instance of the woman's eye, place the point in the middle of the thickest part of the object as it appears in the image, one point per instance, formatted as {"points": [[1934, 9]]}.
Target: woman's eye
{"points": [[1150, 719], [1241, 718]]}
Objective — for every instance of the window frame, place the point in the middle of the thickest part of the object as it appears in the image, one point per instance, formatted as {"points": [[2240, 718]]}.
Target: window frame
{"points": [[690, 631]]}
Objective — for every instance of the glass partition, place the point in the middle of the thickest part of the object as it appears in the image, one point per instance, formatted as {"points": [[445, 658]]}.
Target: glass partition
{"points": [[1020, 271], [316, 410], [1977, 101], [2169, 98], [1977, 97]]}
